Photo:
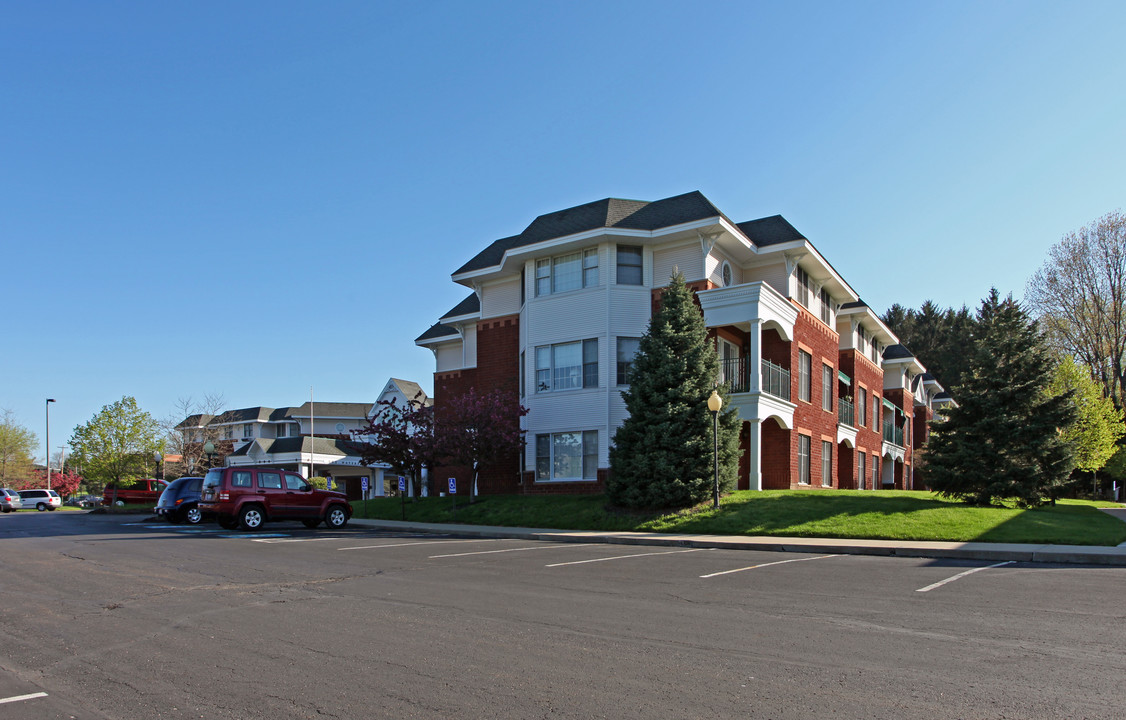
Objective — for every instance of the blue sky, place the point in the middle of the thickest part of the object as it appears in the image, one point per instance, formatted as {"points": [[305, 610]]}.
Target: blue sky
{"points": [[255, 198]]}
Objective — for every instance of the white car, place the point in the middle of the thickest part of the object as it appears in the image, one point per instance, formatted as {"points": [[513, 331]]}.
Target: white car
{"points": [[41, 499]]}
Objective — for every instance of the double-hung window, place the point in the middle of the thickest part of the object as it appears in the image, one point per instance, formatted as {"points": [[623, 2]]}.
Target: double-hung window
{"points": [[805, 369], [805, 292], [826, 463], [862, 408], [826, 307], [860, 474], [567, 272], [567, 366], [826, 388], [803, 458], [627, 348], [567, 456], [629, 265]]}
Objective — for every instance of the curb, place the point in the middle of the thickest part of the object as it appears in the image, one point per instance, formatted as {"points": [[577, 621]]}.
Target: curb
{"points": [[1025, 553]]}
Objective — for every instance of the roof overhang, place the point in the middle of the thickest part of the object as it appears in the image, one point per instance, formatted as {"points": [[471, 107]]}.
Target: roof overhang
{"points": [[868, 318]]}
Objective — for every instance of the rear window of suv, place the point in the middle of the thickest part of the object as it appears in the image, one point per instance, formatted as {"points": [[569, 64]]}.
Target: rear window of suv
{"points": [[213, 479]]}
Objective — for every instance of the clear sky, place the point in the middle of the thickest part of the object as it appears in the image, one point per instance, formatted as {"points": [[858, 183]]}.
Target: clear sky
{"points": [[255, 198]]}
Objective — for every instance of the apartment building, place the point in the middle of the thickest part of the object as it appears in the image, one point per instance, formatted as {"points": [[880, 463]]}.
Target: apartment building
{"points": [[827, 395]]}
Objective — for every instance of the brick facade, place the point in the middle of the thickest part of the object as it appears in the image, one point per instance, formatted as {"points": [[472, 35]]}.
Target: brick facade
{"points": [[869, 438]]}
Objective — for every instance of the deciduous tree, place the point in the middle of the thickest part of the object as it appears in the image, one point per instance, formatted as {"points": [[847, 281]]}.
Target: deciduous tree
{"points": [[662, 454], [1099, 425], [401, 436], [478, 429], [116, 445], [1003, 439], [17, 449], [1080, 296]]}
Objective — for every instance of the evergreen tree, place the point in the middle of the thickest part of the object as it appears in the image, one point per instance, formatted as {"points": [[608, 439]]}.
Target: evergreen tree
{"points": [[661, 455], [1003, 440]]}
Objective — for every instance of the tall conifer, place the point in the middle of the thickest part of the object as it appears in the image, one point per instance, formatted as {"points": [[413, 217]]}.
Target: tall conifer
{"points": [[1003, 440], [662, 454]]}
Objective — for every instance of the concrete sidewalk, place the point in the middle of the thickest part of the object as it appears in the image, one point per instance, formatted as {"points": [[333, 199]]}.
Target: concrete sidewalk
{"points": [[1071, 554]]}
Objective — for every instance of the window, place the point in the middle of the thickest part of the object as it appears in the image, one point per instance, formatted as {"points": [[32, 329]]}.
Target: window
{"points": [[629, 265], [240, 478], [875, 472], [590, 267], [522, 371], [627, 349], [567, 456], [805, 292], [861, 339], [247, 431], [567, 272], [805, 369], [295, 482], [876, 412], [875, 353], [862, 408], [725, 274], [281, 430], [826, 463], [826, 307], [340, 429], [269, 480], [567, 366], [860, 458], [803, 459], [827, 388]]}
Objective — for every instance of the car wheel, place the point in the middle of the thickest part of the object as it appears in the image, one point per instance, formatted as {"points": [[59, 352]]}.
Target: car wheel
{"points": [[41, 506], [251, 517], [52, 508], [311, 523], [227, 522], [336, 518], [193, 515]]}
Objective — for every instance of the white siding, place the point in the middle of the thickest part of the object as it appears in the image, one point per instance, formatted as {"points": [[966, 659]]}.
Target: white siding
{"points": [[773, 275], [565, 317], [469, 357], [715, 261], [687, 258], [448, 357], [501, 298]]}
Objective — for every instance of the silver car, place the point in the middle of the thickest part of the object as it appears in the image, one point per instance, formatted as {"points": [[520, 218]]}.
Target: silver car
{"points": [[9, 500]]}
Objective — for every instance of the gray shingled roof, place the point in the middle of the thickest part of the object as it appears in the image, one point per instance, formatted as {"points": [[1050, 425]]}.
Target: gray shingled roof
{"points": [[468, 306], [322, 446], [410, 389], [280, 414], [607, 213], [195, 421], [243, 415], [333, 410], [897, 352], [770, 231], [436, 330], [858, 303]]}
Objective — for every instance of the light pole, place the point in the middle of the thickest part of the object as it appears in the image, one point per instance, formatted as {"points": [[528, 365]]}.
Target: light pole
{"points": [[715, 402], [157, 456], [209, 451], [48, 456]]}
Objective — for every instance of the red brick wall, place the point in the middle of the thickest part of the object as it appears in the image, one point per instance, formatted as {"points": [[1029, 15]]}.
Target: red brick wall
{"points": [[531, 487], [864, 373], [778, 464], [810, 418], [846, 467]]}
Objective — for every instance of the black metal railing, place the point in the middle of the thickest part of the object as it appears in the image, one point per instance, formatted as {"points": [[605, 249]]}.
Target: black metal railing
{"points": [[893, 433], [846, 412], [736, 375]]}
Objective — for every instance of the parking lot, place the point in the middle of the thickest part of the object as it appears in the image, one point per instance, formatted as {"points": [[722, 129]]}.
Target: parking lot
{"points": [[125, 618]]}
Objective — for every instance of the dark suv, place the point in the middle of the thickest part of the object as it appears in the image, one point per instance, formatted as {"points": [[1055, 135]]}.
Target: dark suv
{"points": [[246, 497], [180, 501]]}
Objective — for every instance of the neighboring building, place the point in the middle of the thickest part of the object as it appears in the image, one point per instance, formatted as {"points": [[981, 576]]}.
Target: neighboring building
{"points": [[557, 311], [313, 439]]}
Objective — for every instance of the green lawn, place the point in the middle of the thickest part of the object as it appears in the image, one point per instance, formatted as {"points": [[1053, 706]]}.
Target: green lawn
{"points": [[890, 515]]}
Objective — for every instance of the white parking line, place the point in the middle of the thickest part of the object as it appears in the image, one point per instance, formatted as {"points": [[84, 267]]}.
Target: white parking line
{"points": [[623, 557], [490, 552], [971, 571], [428, 542], [761, 565], [21, 698], [288, 540]]}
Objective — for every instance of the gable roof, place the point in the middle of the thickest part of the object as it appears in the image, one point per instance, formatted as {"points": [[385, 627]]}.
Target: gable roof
{"points": [[305, 444], [409, 389], [607, 213], [469, 306], [897, 352], [437, 330], [333, 410], [243, 415]]}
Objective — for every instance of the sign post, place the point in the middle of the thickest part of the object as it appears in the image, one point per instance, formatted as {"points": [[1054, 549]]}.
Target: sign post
{"points": [[453, 492], [403, 495], [364, 486]]}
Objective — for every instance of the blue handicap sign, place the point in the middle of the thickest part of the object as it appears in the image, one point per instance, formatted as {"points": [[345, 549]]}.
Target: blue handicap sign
{"points": [[453, 486], [402, 484], [364, 484]]}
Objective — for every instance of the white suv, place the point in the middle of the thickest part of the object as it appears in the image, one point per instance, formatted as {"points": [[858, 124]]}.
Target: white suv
{"points": [[41, 499]]}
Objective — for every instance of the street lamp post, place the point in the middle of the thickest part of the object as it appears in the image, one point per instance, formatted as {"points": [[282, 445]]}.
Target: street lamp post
{"points": [[715, 402], [157, 456], [49, 401], [209, 451]]}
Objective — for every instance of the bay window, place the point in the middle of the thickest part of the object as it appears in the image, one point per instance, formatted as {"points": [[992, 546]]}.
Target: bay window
{"points": [[567, 456]]}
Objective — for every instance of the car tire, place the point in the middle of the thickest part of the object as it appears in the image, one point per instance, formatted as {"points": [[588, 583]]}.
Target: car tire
{"points": [[227, 522], [311, 523], [336, 517], [41, 506], [251, 517], [192, 516]]}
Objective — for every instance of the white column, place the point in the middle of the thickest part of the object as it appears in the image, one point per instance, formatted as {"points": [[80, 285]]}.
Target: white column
{"points": [[379, 491], [754, 451], [754, 362]]}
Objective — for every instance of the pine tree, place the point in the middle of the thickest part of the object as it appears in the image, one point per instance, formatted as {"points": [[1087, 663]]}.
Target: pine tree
{"points": [[1003, 440], [662, 454]]}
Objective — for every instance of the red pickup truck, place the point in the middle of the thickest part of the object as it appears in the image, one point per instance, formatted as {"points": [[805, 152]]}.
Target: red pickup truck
{"points": [[141, 492]]}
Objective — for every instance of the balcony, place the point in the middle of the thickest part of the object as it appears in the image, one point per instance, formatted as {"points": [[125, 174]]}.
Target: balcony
{"points": [[736, 375], [846, 412], [893, 434]]}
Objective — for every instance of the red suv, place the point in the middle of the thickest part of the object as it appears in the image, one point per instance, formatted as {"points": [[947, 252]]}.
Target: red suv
{"points": [[246, 497], [141, 492]]}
